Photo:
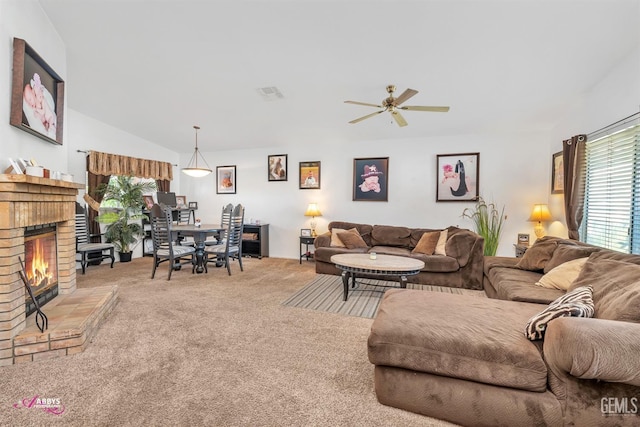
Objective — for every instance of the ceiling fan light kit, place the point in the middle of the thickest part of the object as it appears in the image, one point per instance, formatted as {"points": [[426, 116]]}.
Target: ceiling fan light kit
{"points": [[392, 105], [193, 169]]}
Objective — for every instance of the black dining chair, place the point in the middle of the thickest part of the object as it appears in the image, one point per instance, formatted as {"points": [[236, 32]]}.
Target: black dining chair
{"points": [[164, 248], [232, 247], [89, 251], [225, 217]]}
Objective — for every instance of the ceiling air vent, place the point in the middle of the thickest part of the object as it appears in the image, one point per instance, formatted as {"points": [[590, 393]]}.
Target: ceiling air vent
{"points": [[271, 93]]}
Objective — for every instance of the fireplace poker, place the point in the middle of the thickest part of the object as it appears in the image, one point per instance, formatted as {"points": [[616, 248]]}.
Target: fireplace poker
{"points": [[42, 322]]}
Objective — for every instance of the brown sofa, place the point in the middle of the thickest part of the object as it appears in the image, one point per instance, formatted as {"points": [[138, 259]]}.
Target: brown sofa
{"points": [[461, 267], [466, 359]]}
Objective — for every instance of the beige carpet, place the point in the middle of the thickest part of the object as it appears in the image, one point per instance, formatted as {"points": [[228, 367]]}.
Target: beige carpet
{"points": [[208, 350]]}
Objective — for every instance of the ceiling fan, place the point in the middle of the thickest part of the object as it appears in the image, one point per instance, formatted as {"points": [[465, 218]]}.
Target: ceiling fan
{"points": [[392, 105]]}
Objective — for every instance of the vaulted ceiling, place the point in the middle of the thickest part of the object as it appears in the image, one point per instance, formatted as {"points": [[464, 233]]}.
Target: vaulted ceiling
{"points": [[155, 68]]}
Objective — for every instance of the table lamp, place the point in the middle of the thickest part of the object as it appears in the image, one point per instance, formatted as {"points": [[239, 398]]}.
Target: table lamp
{"points": [[313, 212], [540, 213]]}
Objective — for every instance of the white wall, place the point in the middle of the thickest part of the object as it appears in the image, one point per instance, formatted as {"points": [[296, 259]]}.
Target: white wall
{"points": [[615, 97], [26, 20], [513, 172]]}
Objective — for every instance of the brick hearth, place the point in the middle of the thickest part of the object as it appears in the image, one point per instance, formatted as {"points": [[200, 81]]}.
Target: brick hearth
{"points": [[74, 315]]}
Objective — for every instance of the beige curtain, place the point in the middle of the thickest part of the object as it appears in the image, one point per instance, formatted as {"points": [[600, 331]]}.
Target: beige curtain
{"points": [[573, 153], [114, 164]]}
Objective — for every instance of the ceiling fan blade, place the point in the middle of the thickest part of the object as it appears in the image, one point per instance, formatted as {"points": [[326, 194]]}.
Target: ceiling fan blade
{"points": [[366, 117], [405, 95], [362, 103], [423, 108], [399, 119]]}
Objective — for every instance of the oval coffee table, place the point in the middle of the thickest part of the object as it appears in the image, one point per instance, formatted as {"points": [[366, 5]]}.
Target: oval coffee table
{"points": [[383, 265]]}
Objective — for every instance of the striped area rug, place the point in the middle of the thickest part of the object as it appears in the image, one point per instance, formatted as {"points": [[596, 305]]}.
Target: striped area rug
{"points": [[324, 293]]}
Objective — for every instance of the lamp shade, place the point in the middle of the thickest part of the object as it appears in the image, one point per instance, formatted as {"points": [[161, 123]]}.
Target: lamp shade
{"points": [[312, 210], [193, 169], [540, 213]]}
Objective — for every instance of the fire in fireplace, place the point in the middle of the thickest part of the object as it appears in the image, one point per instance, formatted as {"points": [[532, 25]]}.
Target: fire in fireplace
{"points": [[41, 265]]}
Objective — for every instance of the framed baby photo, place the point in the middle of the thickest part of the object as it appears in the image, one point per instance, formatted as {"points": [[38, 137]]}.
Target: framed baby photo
{"points": [[37, 95], [277, 167], [309, 175], [148, 202], [371, 179], [226, 179], [181, 201], [457, 177]]}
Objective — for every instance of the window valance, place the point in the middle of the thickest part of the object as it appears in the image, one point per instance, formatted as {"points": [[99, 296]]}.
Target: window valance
{"points": [[115, 164]]}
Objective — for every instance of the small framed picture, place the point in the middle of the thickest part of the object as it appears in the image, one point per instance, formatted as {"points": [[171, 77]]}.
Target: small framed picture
{"points": [[181, 201], [226, 179], [557, 173], [523, 239], [457, 177], [305, 232], [277, 167], [193, 205], [309, 175], [371, 179], [148, 201]]}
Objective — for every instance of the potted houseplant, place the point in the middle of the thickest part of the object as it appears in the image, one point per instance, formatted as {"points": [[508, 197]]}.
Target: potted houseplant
{"points": [[123, 226], [488, 223]]}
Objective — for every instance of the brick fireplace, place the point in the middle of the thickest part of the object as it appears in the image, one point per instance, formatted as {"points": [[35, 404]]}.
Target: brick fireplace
{"points": [[28, 203]]}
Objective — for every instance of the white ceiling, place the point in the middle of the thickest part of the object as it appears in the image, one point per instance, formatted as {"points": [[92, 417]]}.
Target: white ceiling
{"points": [[155, 68]]}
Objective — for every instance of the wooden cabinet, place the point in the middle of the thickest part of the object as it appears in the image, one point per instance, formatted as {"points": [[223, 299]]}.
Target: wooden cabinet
{"points": [[255, 240]]}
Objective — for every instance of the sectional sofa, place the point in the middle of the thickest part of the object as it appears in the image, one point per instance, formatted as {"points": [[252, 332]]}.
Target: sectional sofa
{"points": [[458, 265], [467, 360]]}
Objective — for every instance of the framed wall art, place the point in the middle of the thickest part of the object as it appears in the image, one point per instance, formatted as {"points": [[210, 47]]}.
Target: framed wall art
{"points": [[226, 179], [309, 177], [37, 95], [371, 179], [277, 167], [148, 202], [457, 177], [523, 239], [557, 173]]}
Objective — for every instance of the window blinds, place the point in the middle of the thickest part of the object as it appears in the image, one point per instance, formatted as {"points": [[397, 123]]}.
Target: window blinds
{"points": [[612, 190]]}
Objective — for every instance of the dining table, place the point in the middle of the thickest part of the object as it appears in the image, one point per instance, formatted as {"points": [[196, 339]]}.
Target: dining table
{"points": [[199, 234]]}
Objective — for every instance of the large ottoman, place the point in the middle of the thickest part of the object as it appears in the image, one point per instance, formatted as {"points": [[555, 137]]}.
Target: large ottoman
{"points": [[460, 358]]}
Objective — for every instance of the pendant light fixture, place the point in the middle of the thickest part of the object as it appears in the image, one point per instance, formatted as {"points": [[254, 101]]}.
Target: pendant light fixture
{"points": [[193, 169]]}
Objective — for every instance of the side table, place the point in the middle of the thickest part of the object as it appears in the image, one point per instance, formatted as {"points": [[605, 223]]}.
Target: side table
{"points": [[520, 250], [305, 240]]}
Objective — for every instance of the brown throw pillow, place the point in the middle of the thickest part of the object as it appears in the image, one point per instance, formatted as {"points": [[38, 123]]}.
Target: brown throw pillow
{"points": [[616, 287], [567, 252], [335, 240], [351, 239], [537, 256], [427, 243]]}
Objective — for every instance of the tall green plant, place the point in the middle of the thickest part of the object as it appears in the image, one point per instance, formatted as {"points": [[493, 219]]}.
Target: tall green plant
{"points": [[488, 222], [123, 228]]}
